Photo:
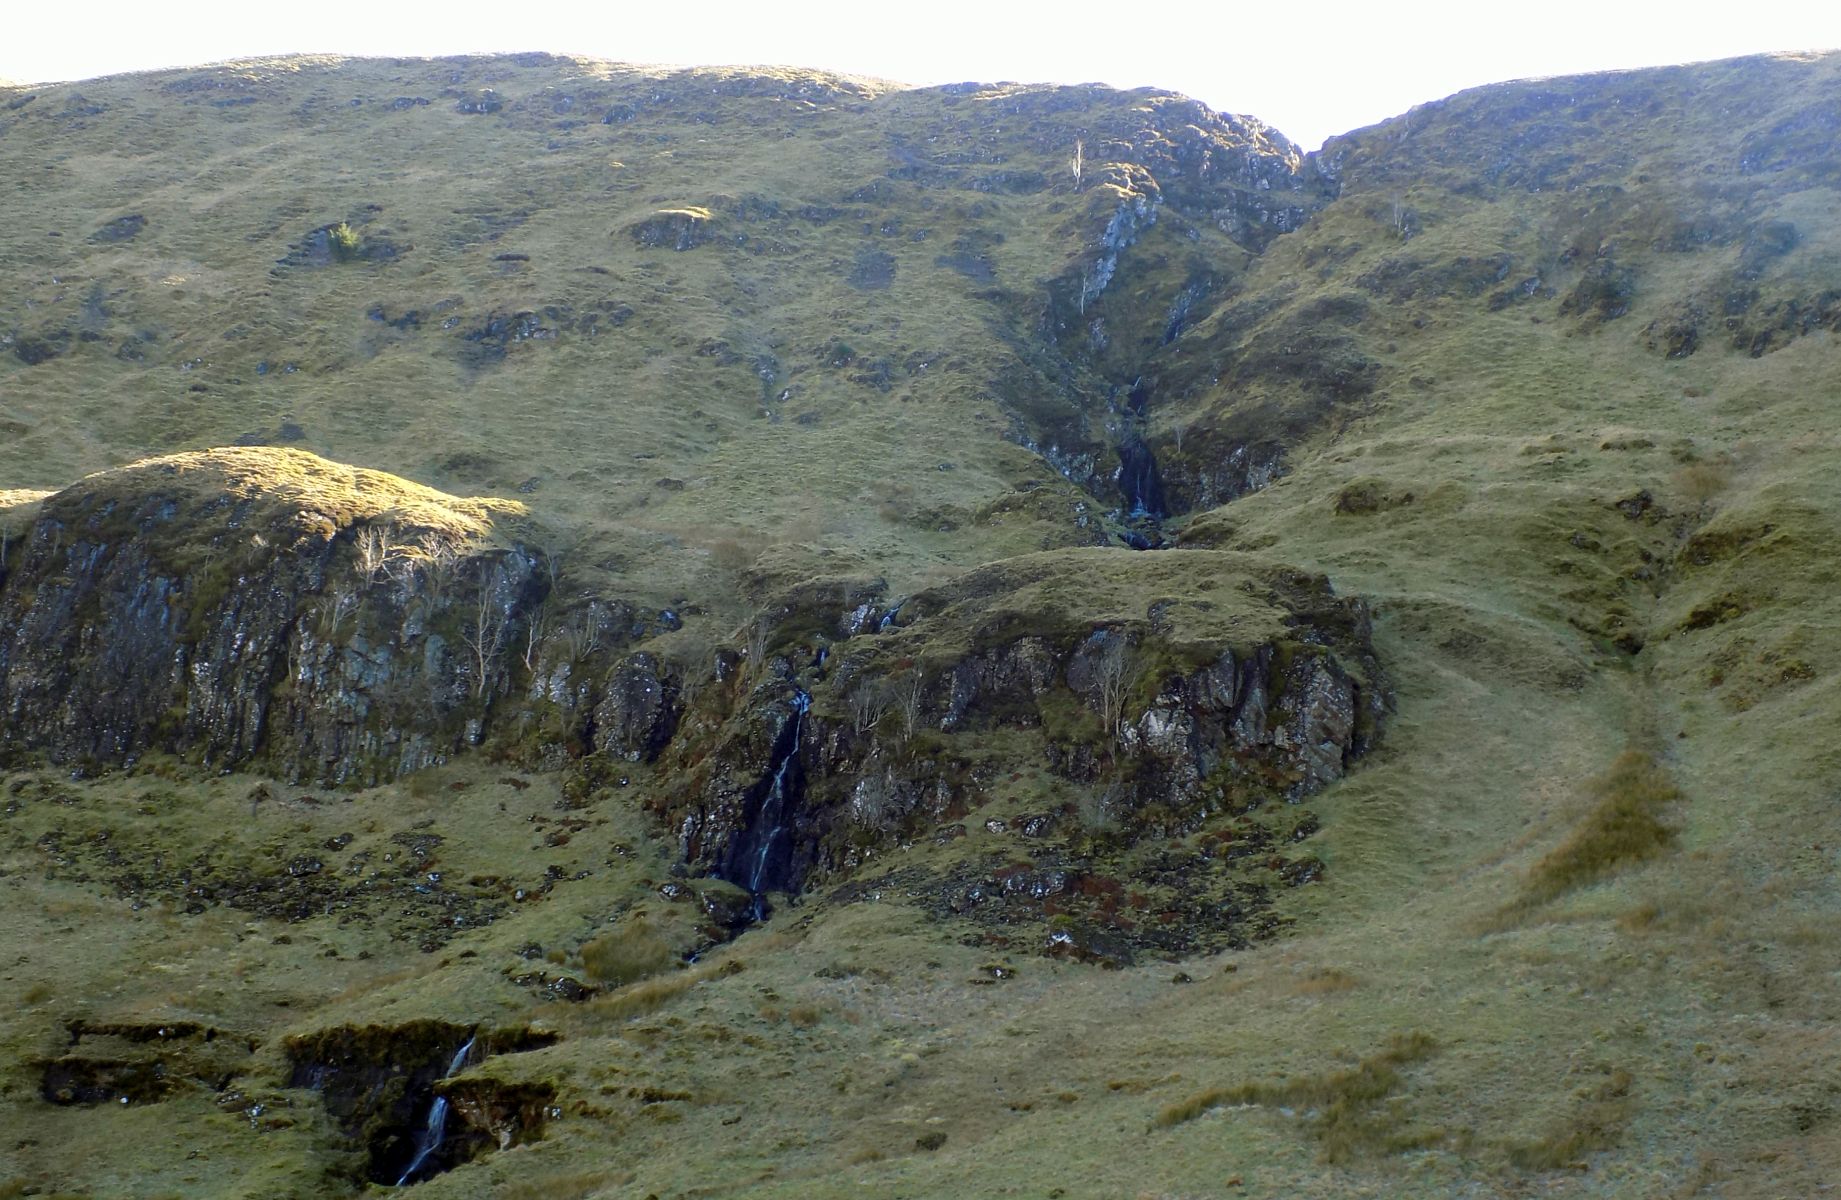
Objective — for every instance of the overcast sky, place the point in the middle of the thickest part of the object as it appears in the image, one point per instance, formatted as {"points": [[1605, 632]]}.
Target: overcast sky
{"points": [[1311, 69]]}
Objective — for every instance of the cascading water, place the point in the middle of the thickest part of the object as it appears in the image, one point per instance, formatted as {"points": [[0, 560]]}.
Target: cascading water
{"points": [[434, 1130], [760, 857], [1138, 478]]}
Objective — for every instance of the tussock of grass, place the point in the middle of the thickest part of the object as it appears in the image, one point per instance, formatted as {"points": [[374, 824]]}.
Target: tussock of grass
{"points": [[1597, 1125], [275, 496], [283, 477], [649, 995], [628, 954], [21, 498], [574, 1185], [1624, 827], [1325, 981], [1341, 1104]]}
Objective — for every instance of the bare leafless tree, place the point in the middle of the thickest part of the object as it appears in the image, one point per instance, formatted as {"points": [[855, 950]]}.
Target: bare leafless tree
{"points": [[581, 637], [1098, 806], [1402, 219], [435, 563], [427, 568], [1115, 672], [533, 638], [374, 552], [1078, 163], [874, 800], [905, 700], [484, 632], [693, 660], [331, 614], [557, 546], [869, 702], [754, 645]]}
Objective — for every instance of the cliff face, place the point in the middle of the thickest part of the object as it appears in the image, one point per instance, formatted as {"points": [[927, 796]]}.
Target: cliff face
{"points": [[258, 609], [267, 610], [1144, 694]]}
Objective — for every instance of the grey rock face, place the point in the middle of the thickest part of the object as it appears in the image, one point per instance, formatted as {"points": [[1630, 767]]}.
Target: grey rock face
{"points": [[131, 623], [637, 712]]}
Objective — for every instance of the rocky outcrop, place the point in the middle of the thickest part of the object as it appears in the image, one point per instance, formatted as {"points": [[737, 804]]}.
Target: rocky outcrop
{"points": [[637, 711], [674, 229], [1134, 214], [1194, 713], [259, 607]]}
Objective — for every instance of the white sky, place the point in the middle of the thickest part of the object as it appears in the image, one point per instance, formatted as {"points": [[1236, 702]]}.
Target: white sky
{"points": [[1310, 69]]}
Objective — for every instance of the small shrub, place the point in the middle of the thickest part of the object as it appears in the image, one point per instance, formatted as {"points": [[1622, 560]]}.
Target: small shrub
{"points": [[638, 999], [1098, 808], [344, 242]]}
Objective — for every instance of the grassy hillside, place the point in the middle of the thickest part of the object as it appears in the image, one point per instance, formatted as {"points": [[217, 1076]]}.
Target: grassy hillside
{"points": [[1545, 373]]}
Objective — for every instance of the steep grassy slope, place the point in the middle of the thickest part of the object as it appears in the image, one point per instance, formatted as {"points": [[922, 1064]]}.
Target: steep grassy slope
{"points": [[621, 290], [1545, 372]]}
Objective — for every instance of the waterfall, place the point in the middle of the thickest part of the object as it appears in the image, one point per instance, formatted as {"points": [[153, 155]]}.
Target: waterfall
{"points": [[758, 858], [434, 1130], [1138, 477]]}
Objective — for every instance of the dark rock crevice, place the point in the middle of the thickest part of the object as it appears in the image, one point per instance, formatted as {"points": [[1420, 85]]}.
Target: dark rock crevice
{"points": [[1140, 483], [760, 857]]}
